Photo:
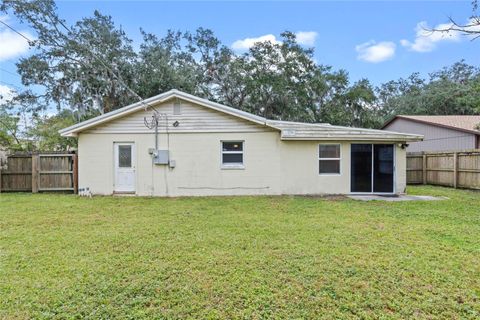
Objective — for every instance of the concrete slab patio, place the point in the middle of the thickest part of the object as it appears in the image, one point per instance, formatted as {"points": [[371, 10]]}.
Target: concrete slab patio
{"points": [[371, 197]]}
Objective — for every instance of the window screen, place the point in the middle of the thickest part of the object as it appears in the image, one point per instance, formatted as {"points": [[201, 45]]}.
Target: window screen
{"points": [[329, 159], [329, 151], [232, 152]]}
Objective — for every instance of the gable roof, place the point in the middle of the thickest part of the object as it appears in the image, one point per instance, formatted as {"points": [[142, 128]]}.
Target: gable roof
{"points": [[289, 130], [73, 130], [461, 123]]}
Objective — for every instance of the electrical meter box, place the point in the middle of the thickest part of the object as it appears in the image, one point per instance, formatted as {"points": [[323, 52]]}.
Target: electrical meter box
{"points": [[161, 157]]}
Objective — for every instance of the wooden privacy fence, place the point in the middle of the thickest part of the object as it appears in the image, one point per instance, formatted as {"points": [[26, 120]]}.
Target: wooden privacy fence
{"points": [[453, 169], [37, 172]]}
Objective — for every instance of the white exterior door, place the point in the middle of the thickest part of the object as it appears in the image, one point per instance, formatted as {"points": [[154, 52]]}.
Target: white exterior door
{"points": [[124, 167]]}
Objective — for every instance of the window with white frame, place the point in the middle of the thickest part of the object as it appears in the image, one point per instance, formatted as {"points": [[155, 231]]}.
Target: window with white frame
{"points": [[329, 159], [232, 153]]}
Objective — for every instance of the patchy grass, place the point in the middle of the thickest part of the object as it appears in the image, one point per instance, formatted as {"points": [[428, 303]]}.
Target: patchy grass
{"points": [[63, 256]]}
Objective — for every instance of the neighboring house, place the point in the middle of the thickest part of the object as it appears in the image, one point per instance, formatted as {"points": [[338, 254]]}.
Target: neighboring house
{"points": [[441, 133], [205, 148]]}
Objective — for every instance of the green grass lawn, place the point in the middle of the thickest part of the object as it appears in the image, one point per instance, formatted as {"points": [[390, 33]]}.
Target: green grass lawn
{"points": [[62, 256]]}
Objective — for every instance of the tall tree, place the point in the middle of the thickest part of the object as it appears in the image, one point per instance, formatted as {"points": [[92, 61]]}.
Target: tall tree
{"points": [[84, 67], [323, 99], [360, 105], [453, 90], [163, 64], [10, 131], [45, 131], [402, 96]]}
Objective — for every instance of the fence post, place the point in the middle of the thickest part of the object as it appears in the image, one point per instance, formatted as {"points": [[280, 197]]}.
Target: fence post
{"points": [[75, 173], [424, 168], [455, 169], [35, 172], [0, 179]]}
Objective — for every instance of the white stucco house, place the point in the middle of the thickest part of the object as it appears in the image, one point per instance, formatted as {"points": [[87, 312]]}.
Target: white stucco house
{"points": [[205, 148]]}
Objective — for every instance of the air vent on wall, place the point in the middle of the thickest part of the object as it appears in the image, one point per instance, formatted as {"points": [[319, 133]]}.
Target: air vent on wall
{"points": [[177, 110]]}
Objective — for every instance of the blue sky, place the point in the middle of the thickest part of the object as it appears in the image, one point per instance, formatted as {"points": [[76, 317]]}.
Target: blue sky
{"points": [[375, 40]]}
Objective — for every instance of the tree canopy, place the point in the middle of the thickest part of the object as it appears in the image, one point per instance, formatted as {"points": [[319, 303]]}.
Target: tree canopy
{"points": [[91, 67]]}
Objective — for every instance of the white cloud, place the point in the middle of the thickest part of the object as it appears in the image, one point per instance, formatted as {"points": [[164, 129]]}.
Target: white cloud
{"points": [[306, 38], [12, 44], [249, 42], [375, 52], [426, 40], [6, 93]]}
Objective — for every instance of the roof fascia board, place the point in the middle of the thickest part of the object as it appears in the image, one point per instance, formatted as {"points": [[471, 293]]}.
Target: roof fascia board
{"points": [[352, 138]]}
